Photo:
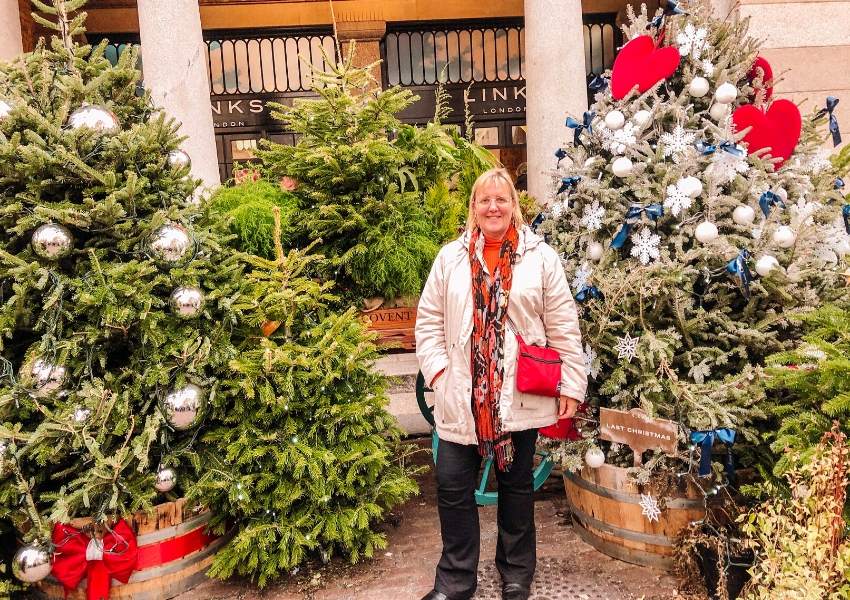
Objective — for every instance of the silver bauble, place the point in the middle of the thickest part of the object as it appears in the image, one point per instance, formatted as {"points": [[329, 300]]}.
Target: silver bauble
{"points": [[166, 479], [52, 241], [183, 406], [5, 109], [706, 232], [594, 457], [45, 379], [170, 244], [784, 236], [94, 117], [187, 301], [178, 159], [743, 215], [81, 415], [31, 563]]}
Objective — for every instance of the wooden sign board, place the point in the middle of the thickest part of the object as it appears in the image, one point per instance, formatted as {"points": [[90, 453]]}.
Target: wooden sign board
{"points": [[638, 431], [394, 326]]}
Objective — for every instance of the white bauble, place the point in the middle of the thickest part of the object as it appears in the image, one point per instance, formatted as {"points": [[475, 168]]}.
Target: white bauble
{"points": [[5, 109], [784, 236], [615, 120], [719, 111], [698, 87], [594, 457], [706, 232], [166, 479], [783, 195], [726, 93], [690, 185], [766, 264], [744, 215], [622, 167], [641, 117], [595, 250]]}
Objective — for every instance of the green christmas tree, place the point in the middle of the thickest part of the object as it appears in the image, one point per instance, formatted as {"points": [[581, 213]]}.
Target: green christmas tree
{"points": [[374, 191], [687, 246]]}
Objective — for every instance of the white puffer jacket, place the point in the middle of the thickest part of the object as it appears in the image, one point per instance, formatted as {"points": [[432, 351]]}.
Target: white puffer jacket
{"points": [[540, 306]]}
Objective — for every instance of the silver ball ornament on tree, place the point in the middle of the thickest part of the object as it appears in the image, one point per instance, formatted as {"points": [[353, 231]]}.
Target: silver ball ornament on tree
{"points": [[187, 301], [44, 379], [52, 241], [698, 87], [31, 563], [179, 159], [743, 215], [766, 264], [622, 167], [81, 415], [706, 232], [166, 479], [784, 236], [615, 120], [170, 244], [594, 457], [183, 406], [94, 117]]}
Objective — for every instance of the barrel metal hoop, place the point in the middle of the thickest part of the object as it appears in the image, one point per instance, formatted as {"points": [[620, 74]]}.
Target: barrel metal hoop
{"points": [[630, 555], [676, 503], [626, 534]]}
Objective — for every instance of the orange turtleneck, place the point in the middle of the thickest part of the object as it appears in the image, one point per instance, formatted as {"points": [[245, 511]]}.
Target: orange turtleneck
{"points": [[491, 253]]}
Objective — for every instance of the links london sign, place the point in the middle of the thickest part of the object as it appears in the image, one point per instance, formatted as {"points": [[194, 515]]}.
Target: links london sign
{"points": [[248, 110]]}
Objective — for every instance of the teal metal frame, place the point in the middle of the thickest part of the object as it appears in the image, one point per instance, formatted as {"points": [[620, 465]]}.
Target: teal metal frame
{"points": [[483, 496]]}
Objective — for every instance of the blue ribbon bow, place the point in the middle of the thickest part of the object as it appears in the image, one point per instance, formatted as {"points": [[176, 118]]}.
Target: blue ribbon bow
{"points": [[672, 8], [845, 212], [568, 183], [768, 199], [560, 154], [738, 266], [588, 292], [831, 103], [587, 120], [537, 221], [705, 440], [706, 149], [653, 211], [839, 183], [597, 84]]}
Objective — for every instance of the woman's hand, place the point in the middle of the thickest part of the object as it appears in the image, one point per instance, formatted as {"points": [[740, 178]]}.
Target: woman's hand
{"points": [[567, 407]]}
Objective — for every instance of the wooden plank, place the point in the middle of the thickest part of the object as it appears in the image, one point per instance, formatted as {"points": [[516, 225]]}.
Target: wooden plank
{"points": [[402, 317]]}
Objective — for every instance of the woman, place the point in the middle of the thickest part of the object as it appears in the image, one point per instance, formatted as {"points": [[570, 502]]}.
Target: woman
{"points": [[497, 278]]}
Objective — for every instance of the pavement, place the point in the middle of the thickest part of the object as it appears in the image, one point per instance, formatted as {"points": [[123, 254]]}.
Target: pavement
{"points": [[568, 568]]}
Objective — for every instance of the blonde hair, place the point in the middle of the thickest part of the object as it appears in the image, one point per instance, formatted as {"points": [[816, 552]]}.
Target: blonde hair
{"points": [[497, 175]]}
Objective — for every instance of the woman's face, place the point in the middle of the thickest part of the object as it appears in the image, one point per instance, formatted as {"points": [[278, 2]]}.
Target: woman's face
{"points": [[494, 208]]}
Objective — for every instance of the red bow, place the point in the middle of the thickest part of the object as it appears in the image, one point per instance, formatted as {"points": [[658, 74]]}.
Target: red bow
{"points": [[77, 556]]}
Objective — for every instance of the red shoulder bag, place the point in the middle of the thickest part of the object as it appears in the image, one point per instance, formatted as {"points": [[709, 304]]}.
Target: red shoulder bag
{"points": [[538, 368]]}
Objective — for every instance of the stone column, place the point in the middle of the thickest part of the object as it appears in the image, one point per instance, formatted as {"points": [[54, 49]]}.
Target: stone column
{"points": [[367, 36], [10, 30], [556, 84], [174, 61]]}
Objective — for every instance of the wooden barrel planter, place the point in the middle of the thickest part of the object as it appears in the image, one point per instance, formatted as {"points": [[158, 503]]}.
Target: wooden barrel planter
{"points": [[174, 554], [607, 515]]}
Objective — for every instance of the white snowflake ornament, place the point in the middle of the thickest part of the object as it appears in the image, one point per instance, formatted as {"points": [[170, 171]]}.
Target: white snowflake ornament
{"points": [[556, 209], [726, 166], [627, 347], [582, 276], [591, 365], [645, 246], [707, 68], [678, 144], [692, 41], [620, 140], [592, 216], [649, 507], [677, 201]]}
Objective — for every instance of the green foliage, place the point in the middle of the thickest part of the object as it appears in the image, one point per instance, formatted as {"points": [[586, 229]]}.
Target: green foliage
{"points": [[248, 207], [703, 341], [372, 189]]}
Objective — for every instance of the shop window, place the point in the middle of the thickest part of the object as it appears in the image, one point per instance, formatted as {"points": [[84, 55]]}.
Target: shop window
{"points": [[487, 136], [243, 149]]}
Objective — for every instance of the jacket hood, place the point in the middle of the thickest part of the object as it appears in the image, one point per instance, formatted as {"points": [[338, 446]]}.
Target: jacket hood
{"points": [[528, 240]]}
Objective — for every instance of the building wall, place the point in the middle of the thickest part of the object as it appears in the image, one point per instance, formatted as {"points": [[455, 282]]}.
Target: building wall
{"points": [[808, 42]]}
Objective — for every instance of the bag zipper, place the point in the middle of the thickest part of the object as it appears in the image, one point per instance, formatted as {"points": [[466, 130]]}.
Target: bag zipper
{"points": [[543, 360]]}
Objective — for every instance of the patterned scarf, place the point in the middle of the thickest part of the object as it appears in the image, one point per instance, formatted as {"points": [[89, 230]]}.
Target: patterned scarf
{"points": [[490, 294]]}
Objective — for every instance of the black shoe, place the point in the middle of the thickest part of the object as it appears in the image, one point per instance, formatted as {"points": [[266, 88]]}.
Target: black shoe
{"points": [[515, 591], [435, 595]]}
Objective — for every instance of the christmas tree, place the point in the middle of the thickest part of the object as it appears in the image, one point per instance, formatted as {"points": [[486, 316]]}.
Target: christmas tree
{"points": [[693, 211], [373, 190], [133, 369]]}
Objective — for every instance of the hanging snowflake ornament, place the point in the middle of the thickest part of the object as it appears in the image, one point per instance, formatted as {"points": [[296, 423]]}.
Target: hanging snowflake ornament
{"points": [[707, 67], [725, 166], [649, 507], [692, 41], [802, 213], [592, 216], [620, 140], [645, 246], [591, 365], [556, 209], [677, 200], [678, 144], [627, 347], [819, 162], [582, 276]]}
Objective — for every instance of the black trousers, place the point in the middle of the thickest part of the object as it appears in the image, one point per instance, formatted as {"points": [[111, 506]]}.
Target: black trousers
{"points": [[516, 549]]}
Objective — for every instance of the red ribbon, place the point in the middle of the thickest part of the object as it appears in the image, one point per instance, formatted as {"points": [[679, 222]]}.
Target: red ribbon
{"points": [[70, 563]]}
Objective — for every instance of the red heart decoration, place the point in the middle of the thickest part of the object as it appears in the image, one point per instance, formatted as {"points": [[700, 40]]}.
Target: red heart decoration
{"points": [[761, 63], [778, 129], [640, 63]]}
